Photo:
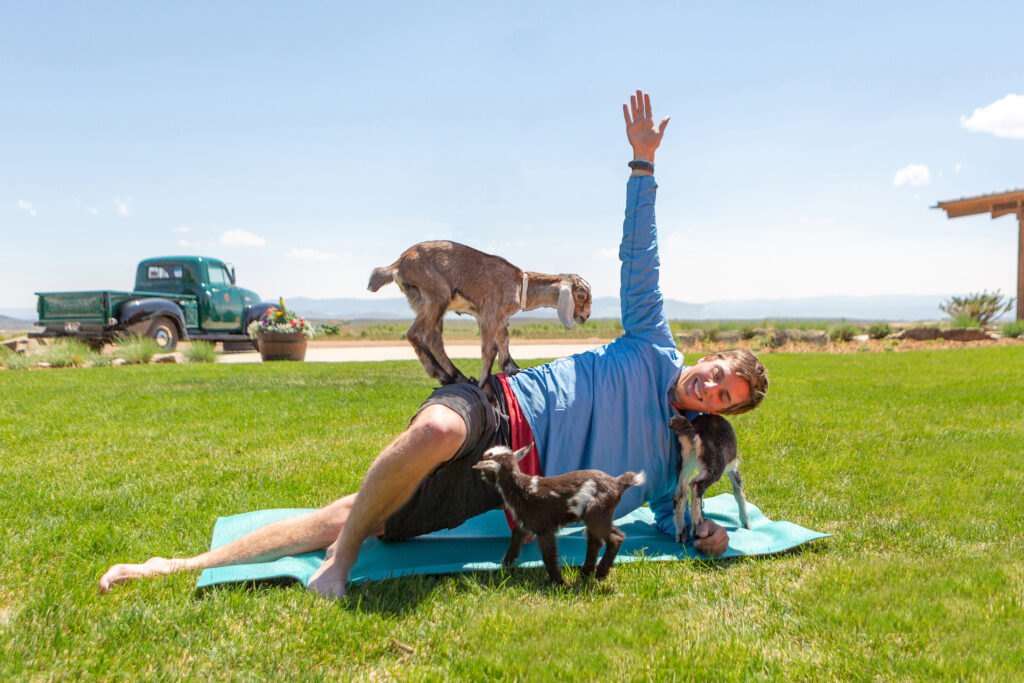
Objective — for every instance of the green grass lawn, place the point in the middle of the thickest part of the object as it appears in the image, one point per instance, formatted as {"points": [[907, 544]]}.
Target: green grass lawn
{"points": [[912, 460]]}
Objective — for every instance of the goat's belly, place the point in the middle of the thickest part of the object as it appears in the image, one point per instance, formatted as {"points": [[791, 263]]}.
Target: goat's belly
{"points": [[460, 305]]}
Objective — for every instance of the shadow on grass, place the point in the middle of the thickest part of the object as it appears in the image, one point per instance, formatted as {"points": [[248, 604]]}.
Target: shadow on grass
{"points": [[403, 595]]}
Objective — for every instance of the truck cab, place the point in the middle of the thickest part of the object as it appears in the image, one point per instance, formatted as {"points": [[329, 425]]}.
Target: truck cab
{"points": [[221, 303]]}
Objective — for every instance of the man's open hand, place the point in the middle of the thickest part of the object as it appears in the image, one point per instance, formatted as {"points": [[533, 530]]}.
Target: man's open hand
{"points": [[644, 136]]}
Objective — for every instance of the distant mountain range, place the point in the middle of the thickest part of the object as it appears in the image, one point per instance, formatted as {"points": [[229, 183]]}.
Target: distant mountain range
{"points": [[893, 307]]}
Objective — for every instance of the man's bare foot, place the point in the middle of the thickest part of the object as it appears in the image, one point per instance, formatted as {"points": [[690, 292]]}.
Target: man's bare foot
{"points": [[330, 579], [154, 566]]}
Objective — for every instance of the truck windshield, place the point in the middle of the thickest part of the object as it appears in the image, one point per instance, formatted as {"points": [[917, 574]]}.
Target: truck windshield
{"points": [[218, 277]]}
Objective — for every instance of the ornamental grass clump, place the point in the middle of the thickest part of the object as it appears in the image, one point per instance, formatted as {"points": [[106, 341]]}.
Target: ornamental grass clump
{"points": [[12, 360], [879, 330], [843, 332], [1014, 329], [68, 353], [135, 350], [201, 352], [280, 319]]}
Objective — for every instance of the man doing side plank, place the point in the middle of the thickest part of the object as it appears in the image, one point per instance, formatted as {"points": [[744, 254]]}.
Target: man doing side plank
{"points": [[607, 409]]}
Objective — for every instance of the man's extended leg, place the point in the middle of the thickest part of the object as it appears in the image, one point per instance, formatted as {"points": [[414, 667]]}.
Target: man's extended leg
{"points": [[435, 431], [292, 536], [436, 434]]}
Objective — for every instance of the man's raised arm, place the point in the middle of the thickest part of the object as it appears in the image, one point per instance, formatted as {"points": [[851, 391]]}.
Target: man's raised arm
{"points": [[640, 297]]}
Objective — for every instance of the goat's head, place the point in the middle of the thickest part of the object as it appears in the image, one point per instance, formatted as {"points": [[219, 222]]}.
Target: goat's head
{"points": [[499, 458], [573, 300]]}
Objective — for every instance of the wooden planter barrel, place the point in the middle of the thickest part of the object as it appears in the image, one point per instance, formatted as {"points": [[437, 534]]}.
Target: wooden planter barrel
{"points": [[282, 345]]}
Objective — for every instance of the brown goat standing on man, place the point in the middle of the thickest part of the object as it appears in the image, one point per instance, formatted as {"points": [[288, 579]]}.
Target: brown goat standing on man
{"points": [[441, 276], [543, 505]]}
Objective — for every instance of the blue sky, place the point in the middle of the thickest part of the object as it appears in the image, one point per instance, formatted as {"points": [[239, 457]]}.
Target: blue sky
{"points": [[308, 143]]}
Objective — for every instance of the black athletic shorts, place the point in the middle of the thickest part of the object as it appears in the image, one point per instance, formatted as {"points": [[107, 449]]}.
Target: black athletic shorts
{"points": [[454, 492]]}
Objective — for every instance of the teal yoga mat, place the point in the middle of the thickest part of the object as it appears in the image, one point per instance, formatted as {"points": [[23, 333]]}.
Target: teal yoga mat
{"points": [[480, 543]]}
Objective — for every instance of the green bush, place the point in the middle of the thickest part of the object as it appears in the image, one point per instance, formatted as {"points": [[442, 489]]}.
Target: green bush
{"points": [[982, 307], [136, 350], [327, 330], [68, 353], [201, 352], [1014, 329], [879, 330], [843, 332], [15, 361]]}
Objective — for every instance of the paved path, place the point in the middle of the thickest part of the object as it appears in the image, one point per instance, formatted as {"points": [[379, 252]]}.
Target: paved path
{"points": [[340, 354]]}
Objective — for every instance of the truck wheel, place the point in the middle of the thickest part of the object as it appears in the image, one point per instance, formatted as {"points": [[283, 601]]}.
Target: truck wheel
{"points": [[163, 331]]}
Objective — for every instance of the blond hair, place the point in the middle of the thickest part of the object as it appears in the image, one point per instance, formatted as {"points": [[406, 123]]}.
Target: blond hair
{"points": [[746, 365]]}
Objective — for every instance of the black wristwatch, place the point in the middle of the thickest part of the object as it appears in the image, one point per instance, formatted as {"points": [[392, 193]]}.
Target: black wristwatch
{"points": [[641, 165]]}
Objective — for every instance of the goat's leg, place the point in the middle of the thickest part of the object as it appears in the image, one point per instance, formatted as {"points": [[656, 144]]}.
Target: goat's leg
{"points": [[679, 501], [508, 366], [514, 546], [417, 336], [489, 331], [697, 488], [435, 341], [549, 552], [425, 337], [594, 544], [733, 472], [612, 545]]}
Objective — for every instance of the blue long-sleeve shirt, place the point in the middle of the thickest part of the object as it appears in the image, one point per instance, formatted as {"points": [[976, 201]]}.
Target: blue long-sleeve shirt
{"points": [[609, 408]]}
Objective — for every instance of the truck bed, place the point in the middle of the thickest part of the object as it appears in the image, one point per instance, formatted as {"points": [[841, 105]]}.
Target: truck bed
{"points": [[99, 308]]}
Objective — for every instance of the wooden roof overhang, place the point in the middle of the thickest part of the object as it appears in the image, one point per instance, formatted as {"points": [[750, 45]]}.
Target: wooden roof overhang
{"points": [[997, 204]]}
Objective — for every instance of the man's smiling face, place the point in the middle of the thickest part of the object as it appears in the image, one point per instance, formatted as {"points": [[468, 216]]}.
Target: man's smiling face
{"points": [[710, 386]]}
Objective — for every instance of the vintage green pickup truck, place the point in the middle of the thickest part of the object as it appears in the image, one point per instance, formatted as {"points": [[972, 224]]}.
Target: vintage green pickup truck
{"points": [[175, 297]]}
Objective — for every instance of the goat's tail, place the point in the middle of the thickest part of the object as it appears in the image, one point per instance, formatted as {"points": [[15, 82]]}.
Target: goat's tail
{"points": [[624, 481], [380, 277]]}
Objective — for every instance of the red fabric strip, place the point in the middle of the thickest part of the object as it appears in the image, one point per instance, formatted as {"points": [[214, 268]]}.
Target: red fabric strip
{"points": [[521, 435]]}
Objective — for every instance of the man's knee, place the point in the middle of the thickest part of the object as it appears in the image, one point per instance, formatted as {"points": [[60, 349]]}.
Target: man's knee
{"points": [[440, 427]]}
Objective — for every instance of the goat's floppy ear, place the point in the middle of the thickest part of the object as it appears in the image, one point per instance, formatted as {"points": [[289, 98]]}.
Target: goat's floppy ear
{"points": [[522, 452], [566, 305], [487, 466]]}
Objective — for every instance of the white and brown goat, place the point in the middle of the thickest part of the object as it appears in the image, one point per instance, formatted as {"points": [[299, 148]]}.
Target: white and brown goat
{"points": [[709, 448], [441, 276], [543, 505]]}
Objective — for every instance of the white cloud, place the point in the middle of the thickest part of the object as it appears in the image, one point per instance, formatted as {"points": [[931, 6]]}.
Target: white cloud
{"points": [[606, 252], [914, 174], [182, 228], [1003, 118], [307, 254], [27, 207], [241, 238], [123, 208]]}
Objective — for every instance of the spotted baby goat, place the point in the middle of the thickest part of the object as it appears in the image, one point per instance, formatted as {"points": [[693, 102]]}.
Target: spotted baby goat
{"points": [[708, 445], [543, 505], [441, 276]]}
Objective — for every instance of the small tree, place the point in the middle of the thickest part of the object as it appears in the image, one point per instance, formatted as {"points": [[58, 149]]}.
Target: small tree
{"points": [[980, 306]]}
